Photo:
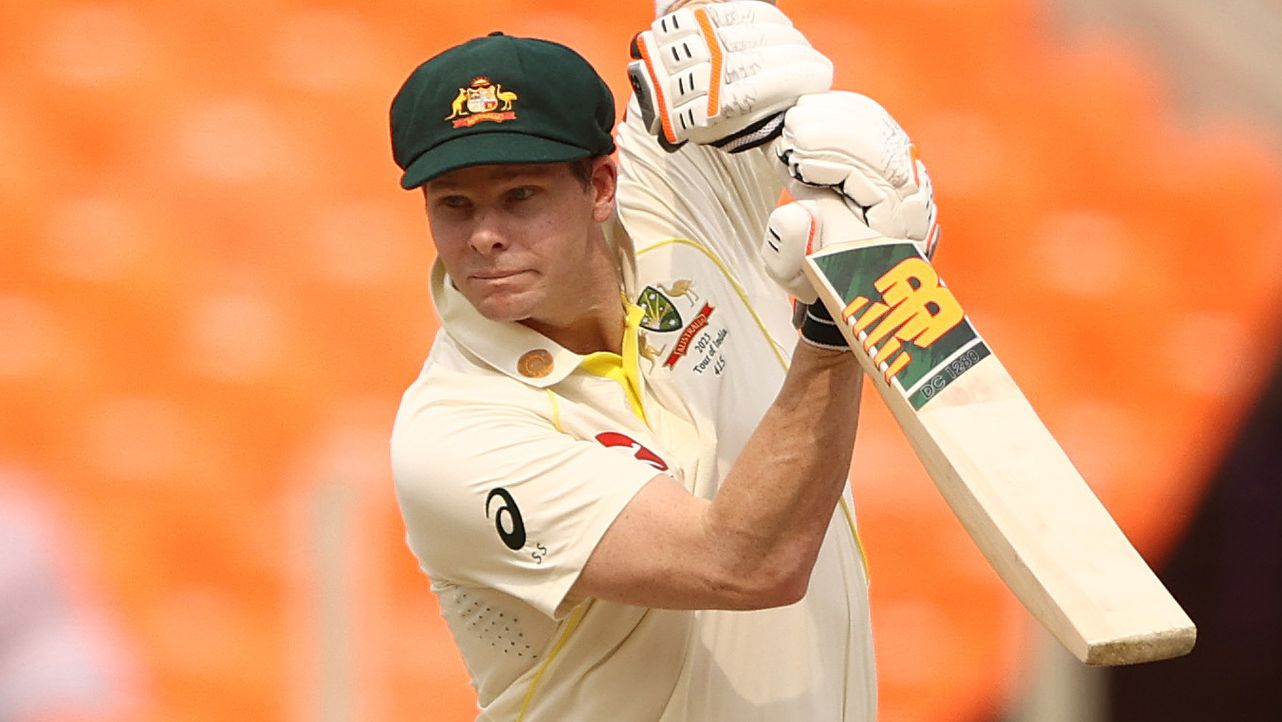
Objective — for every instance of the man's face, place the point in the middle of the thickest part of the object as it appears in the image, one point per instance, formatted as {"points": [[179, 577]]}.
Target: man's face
{"points": [[513, 238]]}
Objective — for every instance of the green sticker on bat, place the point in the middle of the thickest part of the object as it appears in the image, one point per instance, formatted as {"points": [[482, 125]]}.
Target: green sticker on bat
{"points": [[906, 319]]}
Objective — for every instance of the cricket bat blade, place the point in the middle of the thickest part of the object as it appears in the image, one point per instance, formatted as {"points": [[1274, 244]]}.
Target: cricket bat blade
{"points": [[1005, 477]]}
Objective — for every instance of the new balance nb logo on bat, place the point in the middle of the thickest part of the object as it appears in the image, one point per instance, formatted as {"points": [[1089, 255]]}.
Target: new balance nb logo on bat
{"points": [[917, 309], [904, 317]]}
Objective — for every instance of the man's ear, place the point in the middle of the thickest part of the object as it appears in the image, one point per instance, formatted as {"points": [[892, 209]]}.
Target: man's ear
{"points": [[604, 183]]}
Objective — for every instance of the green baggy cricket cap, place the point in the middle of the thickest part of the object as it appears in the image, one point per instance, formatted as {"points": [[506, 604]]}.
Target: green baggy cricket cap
{"points": [[499, 99]]}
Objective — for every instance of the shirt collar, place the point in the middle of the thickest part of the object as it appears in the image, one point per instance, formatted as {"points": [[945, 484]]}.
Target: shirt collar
{"points": [[518, 351]]}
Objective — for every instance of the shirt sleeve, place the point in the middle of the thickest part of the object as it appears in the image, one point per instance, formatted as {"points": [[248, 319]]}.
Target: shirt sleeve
{"points": [[721, 200], [495, 496]]}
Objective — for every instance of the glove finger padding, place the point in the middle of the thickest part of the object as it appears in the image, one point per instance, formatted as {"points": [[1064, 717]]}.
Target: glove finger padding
{"points": [[911, 216], [740, 103], [791, 234], [849, 143], [710, 73], [796, 230]]}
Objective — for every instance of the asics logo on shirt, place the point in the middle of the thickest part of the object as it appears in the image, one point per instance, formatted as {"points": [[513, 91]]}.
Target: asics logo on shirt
{"points": [[512, 532]]}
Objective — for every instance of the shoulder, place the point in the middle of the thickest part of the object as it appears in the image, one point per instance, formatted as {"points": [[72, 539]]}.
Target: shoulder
{"points": [[452, 375], [455, 404]]}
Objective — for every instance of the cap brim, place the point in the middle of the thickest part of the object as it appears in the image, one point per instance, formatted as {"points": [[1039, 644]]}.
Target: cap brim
{"points": [[496, 147]]}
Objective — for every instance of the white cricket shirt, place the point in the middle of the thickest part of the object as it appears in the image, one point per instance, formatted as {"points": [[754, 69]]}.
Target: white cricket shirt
{"points": [[696, 219], [513, 455]]}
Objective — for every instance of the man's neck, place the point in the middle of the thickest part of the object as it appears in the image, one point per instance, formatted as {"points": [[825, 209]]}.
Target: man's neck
{"points": [[600, 330], [597, 323]]}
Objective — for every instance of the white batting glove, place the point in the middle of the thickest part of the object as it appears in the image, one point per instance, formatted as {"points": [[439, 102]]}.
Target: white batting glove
{"points": [[722, 73], [798, 229], [848, 142], [794, 231]]}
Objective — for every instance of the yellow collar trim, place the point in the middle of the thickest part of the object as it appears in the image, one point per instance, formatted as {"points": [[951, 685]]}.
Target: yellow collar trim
{"points": [[624, 370]]}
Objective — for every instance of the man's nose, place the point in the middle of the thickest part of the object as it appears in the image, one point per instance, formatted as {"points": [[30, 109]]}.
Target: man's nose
{"points": [[488, 236]]}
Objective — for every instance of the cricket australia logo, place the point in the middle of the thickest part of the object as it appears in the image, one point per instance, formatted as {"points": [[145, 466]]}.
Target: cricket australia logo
{"points": [[482, 101], [662, 317], [905, 318]]}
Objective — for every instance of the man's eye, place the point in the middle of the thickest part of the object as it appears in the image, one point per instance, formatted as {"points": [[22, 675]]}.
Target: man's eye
{"points": [[453, 202], [522, 193]]}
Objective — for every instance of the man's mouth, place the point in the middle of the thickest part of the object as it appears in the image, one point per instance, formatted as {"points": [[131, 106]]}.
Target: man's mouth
{"points": [[496, 275]]}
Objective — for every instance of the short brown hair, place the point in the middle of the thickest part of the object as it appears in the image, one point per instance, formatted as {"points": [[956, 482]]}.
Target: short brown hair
{"points": [[582, 169]]}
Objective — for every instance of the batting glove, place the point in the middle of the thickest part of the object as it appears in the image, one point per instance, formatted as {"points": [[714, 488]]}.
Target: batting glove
{"points": [[848, 142], [794, 231], [721, 74]]}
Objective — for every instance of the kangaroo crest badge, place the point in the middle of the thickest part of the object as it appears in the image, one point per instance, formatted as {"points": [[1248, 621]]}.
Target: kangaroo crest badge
{"points": [[482, 101]]}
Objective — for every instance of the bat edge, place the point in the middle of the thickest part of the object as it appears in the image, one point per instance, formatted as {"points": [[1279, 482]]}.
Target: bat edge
{"points": [[1151, 647]]}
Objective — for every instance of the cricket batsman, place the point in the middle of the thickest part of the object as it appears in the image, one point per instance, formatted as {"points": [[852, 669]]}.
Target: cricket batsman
{"points": [[623, 466]]}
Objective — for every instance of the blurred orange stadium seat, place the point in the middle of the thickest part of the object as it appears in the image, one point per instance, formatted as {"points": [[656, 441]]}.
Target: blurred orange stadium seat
{"points": [[209, 261]]}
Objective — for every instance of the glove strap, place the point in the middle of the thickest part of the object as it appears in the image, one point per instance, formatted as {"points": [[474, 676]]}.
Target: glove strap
{"points": [[817, 327], [758, 134]]}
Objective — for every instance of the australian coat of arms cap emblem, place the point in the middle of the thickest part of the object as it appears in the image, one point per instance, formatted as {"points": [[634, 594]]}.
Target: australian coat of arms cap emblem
{"points": [[482, 101]]}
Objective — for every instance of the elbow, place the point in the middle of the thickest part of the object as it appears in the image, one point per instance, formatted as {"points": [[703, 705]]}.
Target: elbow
{"points": [[752, 572], [777, 595], [773, 583], [787, 588]]}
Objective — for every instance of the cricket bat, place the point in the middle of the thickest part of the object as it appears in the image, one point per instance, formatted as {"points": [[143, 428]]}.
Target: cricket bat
{"points": [[1006, 478]]}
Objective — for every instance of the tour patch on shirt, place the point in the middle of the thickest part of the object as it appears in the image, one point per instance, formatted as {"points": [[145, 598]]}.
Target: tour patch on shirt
{"points": [[694, 338]]}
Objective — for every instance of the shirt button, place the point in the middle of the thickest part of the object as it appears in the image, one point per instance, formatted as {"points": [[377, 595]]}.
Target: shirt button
{"points": [[535, 364]]}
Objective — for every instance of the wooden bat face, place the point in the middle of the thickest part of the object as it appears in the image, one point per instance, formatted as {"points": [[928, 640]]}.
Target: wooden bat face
{"points": [[1005, 477]]}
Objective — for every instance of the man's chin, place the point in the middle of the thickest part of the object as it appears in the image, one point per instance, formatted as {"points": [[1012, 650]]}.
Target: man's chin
{"points": [[506, 317], [498, 303], [509, 310]]}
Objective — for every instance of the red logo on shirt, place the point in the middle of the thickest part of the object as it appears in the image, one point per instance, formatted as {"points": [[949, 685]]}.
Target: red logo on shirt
{"points": [[683, 343], [610, 439]]}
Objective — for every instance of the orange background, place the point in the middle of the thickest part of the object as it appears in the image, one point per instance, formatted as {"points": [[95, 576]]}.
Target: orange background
{"points": [[214, 293]]}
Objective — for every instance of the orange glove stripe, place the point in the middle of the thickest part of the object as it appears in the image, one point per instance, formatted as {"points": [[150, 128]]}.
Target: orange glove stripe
{"points": [[714, 49], [662, 110], [810, 232]]}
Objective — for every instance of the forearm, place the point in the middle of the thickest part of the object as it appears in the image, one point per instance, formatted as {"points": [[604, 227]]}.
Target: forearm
{"points": [[753, 545], [772, 511]]}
